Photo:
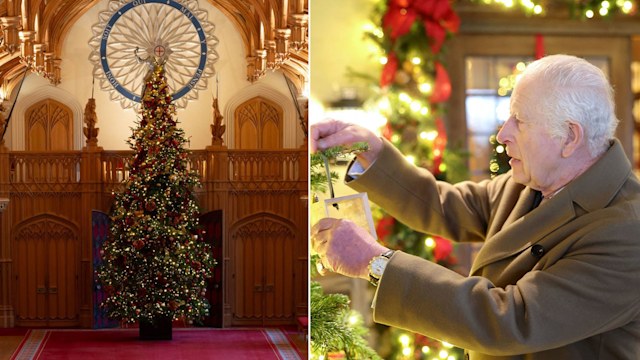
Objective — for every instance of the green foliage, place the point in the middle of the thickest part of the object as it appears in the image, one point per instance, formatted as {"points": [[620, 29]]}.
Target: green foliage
{"points": [[317, 174], [331, 329], [499, 163]]}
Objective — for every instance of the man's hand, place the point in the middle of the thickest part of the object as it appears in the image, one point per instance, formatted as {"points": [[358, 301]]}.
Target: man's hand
{"points": [[329, 133], [344, 247]]}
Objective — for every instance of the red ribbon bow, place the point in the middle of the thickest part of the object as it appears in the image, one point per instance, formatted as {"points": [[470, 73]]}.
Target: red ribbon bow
{"points": [[436, 15]]}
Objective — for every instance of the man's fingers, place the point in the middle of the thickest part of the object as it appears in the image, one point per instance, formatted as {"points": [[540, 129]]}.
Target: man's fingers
{"points": [[323, 224], [323, 132], [322, 267]]}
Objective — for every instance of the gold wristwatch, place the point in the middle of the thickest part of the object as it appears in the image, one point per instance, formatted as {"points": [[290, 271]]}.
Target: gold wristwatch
{"points": [[377, 266]]}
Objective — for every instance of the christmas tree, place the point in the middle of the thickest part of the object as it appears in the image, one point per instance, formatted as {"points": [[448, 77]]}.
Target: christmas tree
{"points": [[412, 91], [155, 261]]}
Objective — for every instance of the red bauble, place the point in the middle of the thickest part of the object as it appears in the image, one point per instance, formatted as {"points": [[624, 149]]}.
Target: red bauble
{"points": [[151, 205], [138, 244]]}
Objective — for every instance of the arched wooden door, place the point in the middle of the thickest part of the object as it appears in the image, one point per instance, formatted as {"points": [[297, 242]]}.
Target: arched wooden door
{"points": [[258, 125], [263, 271], [48, 127], [46, 268]]}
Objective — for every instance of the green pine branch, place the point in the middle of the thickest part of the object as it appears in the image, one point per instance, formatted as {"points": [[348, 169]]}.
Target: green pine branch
{"points": [[331, 330], [318, 177]]}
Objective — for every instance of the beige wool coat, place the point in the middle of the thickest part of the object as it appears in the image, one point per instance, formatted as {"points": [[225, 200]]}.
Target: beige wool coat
{"points": [[561, 281]]}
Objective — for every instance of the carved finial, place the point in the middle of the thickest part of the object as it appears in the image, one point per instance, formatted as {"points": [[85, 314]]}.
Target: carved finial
{"points": [[91, 118]]}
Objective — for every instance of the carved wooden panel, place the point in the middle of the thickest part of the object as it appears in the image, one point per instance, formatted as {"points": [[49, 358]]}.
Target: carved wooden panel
{"points": [[263, 271], [46, 272], [54, 193], [258, 125], [49, 126]]}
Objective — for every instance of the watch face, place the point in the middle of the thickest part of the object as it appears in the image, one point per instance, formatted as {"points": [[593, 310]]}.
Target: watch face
{"points": [[378, 265], [133, 35]]}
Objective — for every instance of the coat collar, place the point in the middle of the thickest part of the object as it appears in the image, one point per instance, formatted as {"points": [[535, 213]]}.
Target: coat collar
{"points": [[592, 190], [597, 186]]}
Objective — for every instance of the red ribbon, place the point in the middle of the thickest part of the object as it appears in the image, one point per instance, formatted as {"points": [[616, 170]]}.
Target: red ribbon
{"points": [[389, 70], [539, 46], [442, 86], [439, 144], [437, 17]]}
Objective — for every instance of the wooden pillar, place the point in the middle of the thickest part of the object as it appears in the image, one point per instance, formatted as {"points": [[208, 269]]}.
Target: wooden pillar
{"points": [[91, 186], [303, 232], [7, 315], [217, 187]]}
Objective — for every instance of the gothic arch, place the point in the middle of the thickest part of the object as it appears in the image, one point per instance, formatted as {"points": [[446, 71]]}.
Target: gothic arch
{"points": [[258, 120], [262, 215], [61, 222], [290, 118], [42, 93], [48, 126]]}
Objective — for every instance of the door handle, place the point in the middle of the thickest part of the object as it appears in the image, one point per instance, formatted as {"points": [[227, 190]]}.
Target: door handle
{"points": [[268, 288], [53, 290], [257, 288], [41, 290]]}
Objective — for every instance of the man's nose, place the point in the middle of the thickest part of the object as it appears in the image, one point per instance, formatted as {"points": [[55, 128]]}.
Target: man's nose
{"points": [[503, 133]]}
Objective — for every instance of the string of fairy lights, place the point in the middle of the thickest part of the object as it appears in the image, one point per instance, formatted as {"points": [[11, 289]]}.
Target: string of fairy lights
{"points": [[586, 9]]}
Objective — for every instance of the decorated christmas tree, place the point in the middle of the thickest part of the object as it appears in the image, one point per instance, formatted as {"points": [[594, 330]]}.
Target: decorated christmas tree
{"points": [[412, 91], [155, 261]]}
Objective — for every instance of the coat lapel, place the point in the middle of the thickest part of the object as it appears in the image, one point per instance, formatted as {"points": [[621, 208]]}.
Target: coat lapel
{"points": [[592, 190], [523, 229]]}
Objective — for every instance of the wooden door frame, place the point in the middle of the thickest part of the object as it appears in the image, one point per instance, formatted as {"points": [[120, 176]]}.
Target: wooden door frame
{"points": [[615, 47]]}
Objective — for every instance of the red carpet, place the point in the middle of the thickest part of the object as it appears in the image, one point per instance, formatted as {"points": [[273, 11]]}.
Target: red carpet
{"points": [[186, 344]]}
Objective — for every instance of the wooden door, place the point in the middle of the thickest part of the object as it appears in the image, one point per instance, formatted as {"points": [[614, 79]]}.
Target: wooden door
{"points": [[258, 125], [263, 272], [49, 127], [46, 268]]}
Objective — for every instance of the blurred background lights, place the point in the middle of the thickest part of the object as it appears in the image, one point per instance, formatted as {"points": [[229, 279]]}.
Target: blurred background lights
{"points": [[429, 242]]}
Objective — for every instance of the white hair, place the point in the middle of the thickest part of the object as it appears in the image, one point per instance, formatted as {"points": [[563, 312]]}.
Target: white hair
{"points": [[578, 91]]}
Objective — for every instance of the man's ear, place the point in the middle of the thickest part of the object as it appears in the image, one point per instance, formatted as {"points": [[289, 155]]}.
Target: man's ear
{"points": [[573, 140]]}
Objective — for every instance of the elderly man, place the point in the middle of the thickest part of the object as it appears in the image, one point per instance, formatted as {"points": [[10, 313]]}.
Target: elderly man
{"points": [[558, 276]]}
